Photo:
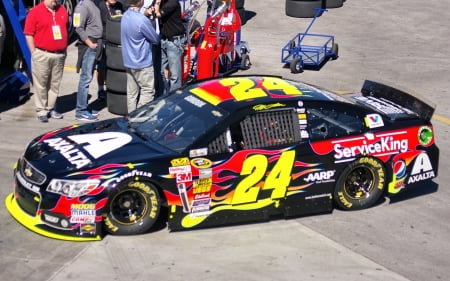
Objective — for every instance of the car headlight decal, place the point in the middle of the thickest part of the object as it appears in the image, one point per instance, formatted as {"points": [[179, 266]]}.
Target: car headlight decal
{"points": [[72, 188]]}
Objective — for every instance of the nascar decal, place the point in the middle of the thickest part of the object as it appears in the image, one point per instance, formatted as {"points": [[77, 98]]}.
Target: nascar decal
{"points": [[265, 177], [240, 88], [96, 145]]}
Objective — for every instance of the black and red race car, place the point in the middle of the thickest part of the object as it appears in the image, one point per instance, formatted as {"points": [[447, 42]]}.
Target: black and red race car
{"points": [[224, 151]]}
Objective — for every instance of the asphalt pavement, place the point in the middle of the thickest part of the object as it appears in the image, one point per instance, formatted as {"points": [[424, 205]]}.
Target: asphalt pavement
{"points": [[401, 43]]}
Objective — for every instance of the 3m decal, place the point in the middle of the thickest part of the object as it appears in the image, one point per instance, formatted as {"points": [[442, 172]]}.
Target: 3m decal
{"points": [[422, 169], [254, 169]]}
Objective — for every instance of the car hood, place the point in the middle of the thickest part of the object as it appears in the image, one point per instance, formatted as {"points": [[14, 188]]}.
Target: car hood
{"points": [[81, 147]]}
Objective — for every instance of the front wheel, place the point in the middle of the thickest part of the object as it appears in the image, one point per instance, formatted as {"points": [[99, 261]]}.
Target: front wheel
{"points": [[360, 185], [133, 208]]}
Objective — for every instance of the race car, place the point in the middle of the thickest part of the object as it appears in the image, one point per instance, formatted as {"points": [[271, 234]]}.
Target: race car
{"points": [[225, 151]]}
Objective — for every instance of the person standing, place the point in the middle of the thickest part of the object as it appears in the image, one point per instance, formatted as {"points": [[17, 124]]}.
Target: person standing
{"points": [[137, 36], [47, 38], [88, 26], [173, 41], [108, 9]]}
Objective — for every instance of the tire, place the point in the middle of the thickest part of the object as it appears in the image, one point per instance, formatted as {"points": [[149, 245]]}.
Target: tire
{"points": [[114, 59], [113, 30], [117, 103], [361, 184], [70, 7], [302, 9], [242, 15], [239, 4], [116, 81], [245, 62], [133, 208], [296, 65], [335, 50], [334, 3]]}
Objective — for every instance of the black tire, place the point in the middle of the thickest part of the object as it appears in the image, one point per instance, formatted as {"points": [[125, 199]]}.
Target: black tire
{"points": [[302, 9], [114, 59], [334, 3], [242, 15], [245, 62], [132, 208], [70, 7], [296, 65], [117, 103], [239, 4], [361, 184], [116, 80], [335, 50], [112, 34]]}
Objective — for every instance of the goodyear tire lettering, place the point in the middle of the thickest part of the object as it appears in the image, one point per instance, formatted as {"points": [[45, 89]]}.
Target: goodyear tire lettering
{"points": [[361, 184], [132, 208]]}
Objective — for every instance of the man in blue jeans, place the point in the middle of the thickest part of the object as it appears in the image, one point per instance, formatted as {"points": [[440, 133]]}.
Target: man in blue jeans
{"points": [[88, 26], [173, 41]]}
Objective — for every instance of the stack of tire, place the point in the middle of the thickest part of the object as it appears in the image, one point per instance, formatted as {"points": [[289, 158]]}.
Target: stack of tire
{"points": [[239, 5], [116, 76], [307, 8]]}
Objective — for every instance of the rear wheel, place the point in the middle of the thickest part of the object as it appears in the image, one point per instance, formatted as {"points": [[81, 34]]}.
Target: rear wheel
{"points": [[361, 184], [296, 65], [133, 208]]}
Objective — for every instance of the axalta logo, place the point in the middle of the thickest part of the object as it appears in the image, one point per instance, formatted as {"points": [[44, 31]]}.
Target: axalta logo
{"points": [[422, 169], [320, 177], [385, 145]]}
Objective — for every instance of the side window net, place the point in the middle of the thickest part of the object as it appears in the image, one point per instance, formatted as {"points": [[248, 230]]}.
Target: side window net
{"points": [[221, 144], [270, 129]]}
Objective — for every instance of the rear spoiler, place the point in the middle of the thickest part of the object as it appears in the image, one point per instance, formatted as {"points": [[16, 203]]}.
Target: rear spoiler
{"points": [[424, 109]]}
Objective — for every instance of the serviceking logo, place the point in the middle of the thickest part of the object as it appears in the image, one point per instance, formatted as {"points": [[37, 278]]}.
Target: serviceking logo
{"points": [[422, 169], [380, 145]]}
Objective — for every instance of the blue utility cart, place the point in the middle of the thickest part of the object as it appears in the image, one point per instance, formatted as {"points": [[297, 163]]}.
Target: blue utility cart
{"points": [[309, 49]]}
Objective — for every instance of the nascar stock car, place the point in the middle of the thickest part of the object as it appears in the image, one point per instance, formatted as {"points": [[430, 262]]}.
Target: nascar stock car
{"points": [[225, 151]]}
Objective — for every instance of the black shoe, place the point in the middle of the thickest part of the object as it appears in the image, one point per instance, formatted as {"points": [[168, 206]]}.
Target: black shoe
{"points": [[43, 118], [102, 95]]}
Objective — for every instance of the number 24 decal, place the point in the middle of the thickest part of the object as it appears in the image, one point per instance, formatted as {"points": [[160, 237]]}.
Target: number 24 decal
{"points": [[254, 169]]}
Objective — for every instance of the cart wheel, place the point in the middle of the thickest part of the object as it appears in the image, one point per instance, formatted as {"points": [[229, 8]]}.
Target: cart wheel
{"points": [[296, 65], [335, 51], [245, 62]]}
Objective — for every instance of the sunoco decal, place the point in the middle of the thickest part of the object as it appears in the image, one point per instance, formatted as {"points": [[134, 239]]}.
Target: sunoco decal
{"points": [[425, 135]]}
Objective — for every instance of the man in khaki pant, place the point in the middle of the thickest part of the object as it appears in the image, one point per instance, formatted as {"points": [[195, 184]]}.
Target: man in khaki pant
{"points": [[47, 38]]}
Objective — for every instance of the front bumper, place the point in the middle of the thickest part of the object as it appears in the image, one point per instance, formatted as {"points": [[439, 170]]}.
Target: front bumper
{"points": [[35, 224]]}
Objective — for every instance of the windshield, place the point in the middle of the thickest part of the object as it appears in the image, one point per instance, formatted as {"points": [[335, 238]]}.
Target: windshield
{"points": [[175, 121]]}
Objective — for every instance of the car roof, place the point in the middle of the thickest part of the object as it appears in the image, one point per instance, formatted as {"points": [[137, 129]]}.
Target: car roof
{"points": [[237, 92]]}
